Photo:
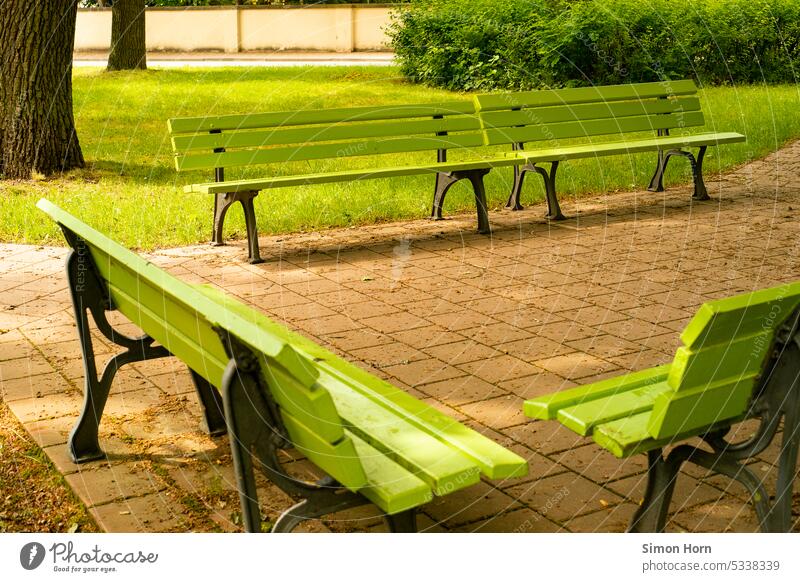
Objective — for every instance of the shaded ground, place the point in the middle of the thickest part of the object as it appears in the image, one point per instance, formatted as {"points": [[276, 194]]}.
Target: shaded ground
{"points": [[469, 323], [33, 495]]}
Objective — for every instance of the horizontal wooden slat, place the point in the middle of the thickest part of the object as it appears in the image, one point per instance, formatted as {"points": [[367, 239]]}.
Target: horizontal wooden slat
{"points": [[592, 127], [494, 461], [315, 116], [196, 350], [495, 101], [740, 356], [364, 147], [586, 111], [346, 176], [389, 486], [307, 135], [716, 321], [582, 418], [513, 159], [547, 407], [339, 460], [443, 468], [679, 412]]}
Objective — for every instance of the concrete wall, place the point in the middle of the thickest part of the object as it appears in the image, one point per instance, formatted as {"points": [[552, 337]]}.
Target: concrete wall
{"points": [[339, 28]]}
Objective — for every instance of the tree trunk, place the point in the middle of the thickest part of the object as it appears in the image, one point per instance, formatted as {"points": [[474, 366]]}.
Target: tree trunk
{"points": [[128, 49], [37, 129]]}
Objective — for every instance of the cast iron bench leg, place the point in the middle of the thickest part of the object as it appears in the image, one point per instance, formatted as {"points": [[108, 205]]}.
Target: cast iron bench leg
{"points": [[657, 181], [89, 294], [445, 181], [222, 202]]}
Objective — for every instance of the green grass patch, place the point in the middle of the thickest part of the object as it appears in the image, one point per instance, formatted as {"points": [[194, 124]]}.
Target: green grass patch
{"points": [[130, 189]]}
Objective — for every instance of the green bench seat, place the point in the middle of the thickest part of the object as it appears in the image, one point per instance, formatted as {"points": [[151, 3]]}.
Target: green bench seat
{"points": [[739, 360], [270, 389], [606, 119]]}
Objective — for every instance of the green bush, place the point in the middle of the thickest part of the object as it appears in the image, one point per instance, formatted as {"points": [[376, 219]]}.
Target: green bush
{"points": [[519, 44]]}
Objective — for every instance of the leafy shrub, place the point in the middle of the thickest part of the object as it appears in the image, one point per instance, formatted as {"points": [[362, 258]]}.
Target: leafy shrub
{"points": [[519, 44]]}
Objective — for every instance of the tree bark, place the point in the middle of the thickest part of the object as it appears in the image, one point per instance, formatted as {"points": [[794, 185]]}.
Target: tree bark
{"points": [[128, 50], [37, 128]]}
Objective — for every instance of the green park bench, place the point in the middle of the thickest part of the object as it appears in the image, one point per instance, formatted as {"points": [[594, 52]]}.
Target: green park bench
{"points": [[606, 120], [610, 117], [740, 359], [270, 389]]}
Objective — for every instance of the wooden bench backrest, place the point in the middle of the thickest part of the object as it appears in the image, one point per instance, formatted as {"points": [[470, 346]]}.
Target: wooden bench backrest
{"points": [[183, 319], [263, 138], [725, 349], [548, 116]]}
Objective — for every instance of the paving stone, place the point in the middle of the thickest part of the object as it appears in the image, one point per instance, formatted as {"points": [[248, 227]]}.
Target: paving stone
{"points": [[499, 413], [34, 386], [474, 503], [564, 496], [462, 390], [151, 513], [576, 365], [101, 484]]}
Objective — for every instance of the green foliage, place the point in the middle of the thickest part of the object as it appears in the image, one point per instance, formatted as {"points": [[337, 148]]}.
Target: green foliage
{"points": [[521, 44]]}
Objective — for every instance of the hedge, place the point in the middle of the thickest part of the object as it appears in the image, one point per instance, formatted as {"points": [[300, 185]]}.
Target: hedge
{"points": [[521, 44]]}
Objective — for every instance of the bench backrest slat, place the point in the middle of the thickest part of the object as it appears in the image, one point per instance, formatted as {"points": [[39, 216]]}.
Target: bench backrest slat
{"points": [[492, 119], [276, 119], [588, 111], [322, 133], [599, 94], [591, 128], [726, 348], [323, 151]]}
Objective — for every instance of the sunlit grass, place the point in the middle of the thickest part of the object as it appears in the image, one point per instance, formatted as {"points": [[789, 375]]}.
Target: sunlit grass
{"points": [[131, 190]]}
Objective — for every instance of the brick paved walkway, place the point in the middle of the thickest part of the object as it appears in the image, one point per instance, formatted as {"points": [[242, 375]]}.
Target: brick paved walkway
{"points": [[469, 323]]}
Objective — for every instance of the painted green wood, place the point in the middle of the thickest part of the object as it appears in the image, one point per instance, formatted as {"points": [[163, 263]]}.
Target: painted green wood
{"points": [[738, 357], [495, 461], [443, 468], [586, 111], [513, 159], [200, 351], [547, 407], [347, 176], [389, 486], [366, 147], [717, 321], [495, 101], [583, 418], [315, 134], [264, 341], [633, 146], [316, 116], [339, 460], [591, 127], [679, 412]]}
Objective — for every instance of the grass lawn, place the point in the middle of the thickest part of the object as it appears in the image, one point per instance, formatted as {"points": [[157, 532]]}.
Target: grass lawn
{"points": [[131, 190]]}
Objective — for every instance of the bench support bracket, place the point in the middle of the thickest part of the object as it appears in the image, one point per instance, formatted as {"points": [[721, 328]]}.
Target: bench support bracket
{"points": [[553, 208], [445, 180], [777, 397], [257, 434], [657, 181], [222, 202], [89, 294]]}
